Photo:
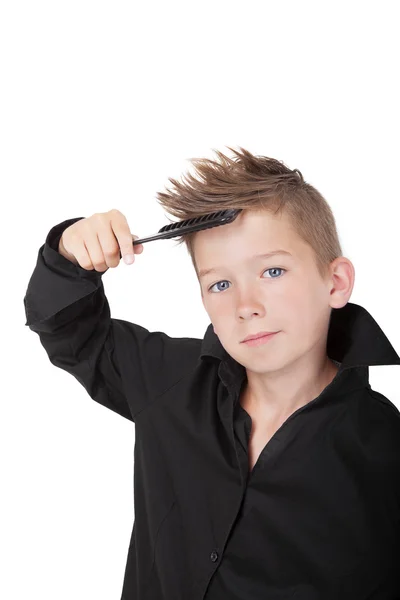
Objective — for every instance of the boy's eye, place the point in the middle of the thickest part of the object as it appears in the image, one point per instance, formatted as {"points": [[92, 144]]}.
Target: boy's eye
{"points": [[271, 269]]}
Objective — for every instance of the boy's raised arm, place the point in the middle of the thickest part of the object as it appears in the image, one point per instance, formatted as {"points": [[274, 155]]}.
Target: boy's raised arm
{"points": [[65, 304]]}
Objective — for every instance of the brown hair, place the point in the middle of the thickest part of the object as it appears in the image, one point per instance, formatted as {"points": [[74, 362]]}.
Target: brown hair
{"points": [[255, 182]]}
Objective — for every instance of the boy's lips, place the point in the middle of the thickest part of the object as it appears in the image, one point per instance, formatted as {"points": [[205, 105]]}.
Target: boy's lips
{"points": [[258, 335]]}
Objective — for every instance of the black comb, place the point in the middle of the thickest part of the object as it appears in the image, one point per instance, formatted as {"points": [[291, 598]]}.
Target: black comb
{"points": [[221, 217]]}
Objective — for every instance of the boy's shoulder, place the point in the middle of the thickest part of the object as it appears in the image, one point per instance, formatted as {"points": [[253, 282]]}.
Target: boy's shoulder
{"points": [[381, 425], [392, 411]]}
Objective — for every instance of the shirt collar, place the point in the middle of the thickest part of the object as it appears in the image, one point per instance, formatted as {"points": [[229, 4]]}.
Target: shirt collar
{"points": [[354, 340]]}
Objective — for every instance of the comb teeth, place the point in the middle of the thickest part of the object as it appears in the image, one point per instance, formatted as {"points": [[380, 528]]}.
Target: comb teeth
{"points": [[191, 225], [220, 216]]}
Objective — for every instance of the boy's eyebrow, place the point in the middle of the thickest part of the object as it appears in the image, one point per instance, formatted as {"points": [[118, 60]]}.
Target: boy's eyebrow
{"points": [[204, 272]]}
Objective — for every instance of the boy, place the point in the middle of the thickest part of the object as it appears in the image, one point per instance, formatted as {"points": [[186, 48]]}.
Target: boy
{"points": [[263, 469]]}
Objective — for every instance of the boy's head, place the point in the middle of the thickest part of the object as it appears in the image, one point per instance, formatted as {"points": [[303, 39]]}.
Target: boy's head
{"points": [[290, 294]]}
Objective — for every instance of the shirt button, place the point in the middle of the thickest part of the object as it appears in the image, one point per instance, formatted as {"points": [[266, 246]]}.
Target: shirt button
{"points": [[214, 556]]}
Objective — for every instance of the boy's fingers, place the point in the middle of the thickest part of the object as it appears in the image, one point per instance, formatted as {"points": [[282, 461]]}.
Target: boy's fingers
{"points": [[139, 247]]}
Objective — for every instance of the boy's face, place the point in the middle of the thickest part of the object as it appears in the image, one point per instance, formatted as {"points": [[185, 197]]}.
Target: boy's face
{"points": [[282, 294]]}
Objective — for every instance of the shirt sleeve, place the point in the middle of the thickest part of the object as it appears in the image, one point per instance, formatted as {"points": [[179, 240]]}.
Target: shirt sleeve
{"points": [[122, 365]]}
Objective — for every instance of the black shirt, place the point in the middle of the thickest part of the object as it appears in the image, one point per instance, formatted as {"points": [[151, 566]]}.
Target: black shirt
{"points": [[318, 517]]}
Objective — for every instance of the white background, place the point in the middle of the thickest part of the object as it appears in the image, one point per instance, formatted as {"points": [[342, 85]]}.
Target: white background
{"points": [[102, 102]]}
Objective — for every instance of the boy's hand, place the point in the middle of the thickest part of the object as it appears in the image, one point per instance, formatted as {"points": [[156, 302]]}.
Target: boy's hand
{"points": [[97, 242]]}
